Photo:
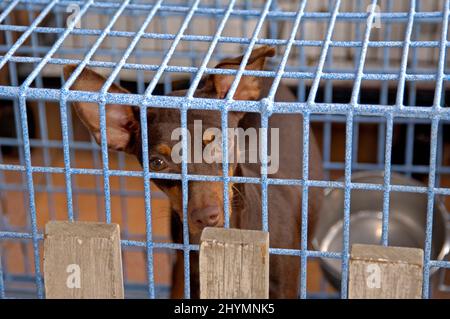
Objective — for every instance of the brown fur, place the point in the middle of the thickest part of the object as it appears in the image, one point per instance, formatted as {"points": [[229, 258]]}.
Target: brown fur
{"points": [[284, 202]]}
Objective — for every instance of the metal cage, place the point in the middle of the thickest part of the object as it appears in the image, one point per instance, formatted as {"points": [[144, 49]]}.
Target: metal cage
{"points": [[354, 64]]}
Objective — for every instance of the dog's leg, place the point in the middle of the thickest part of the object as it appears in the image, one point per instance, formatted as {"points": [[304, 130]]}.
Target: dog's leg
{"points": [[194, 275], [176, 229], [177, 291], [284, 277]]}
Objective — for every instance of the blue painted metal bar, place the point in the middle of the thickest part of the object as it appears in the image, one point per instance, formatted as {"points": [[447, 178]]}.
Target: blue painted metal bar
{"points": [[164, 245], [102, 111], [311, 101], [332, 75], [323, 55], [27, 33], [349, 16], [433, 146], [390, 124], [384, 96], [8, 10], [282, 66], [224, 113], [27, 151], [2, 282], [147, 101], [272, 92], [264, 123], [226, 39], [13, 77], [40, 55], [348, 151], [3, 225], [143, 117], [385, 134], [411, 100]]}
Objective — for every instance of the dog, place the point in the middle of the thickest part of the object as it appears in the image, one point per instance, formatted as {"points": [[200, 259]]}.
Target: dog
{"points": [[205, 199]]}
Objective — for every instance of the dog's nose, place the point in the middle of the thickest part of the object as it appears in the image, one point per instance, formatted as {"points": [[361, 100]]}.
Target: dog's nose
{"points": [[207, 216]]}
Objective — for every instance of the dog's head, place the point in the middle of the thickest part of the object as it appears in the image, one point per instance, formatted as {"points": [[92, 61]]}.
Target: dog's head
{"points": [[123, 133]]}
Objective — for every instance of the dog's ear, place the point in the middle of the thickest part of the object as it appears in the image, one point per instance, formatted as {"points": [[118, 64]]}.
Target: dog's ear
{"points": [[122, 124], [249, 87]]}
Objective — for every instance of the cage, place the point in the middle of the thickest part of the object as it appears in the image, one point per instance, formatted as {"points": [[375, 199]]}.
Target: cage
{"points": [[370, 78]]}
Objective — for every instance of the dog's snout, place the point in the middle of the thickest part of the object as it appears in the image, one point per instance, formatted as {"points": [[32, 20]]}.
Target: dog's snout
{"points": [[207, 216]]}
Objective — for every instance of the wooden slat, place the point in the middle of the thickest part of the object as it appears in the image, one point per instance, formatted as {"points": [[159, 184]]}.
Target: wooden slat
{"points": [[234, 263], [82, 260], [379, 272]]}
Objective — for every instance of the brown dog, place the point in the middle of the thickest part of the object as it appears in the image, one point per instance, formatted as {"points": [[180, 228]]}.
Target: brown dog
{"points": [[205, 199]]}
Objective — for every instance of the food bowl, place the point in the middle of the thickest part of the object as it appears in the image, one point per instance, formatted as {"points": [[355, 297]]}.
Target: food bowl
{"points": [[407, 221]]}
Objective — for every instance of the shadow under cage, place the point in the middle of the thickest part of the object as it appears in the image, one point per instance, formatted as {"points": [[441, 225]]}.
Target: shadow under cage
{"points": [[370, 77]]}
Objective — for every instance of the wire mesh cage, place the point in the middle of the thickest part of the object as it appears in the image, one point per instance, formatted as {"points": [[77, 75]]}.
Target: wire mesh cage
{"points": [[370, 78]]}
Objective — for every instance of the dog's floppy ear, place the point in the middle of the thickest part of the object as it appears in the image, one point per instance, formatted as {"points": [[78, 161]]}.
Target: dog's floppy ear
{"points": [[249, 87], [122, 124]]}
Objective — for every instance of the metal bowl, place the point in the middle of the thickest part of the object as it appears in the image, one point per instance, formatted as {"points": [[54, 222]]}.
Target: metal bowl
{"points": [[407, 221]]}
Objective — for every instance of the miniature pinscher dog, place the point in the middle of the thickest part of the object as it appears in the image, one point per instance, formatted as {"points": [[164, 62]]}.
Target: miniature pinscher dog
{"points": [[205, 199]]}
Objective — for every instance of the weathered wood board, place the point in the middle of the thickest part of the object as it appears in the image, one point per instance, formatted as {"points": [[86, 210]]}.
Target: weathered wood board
{"points": [[82, 260], [234, 263], [379, 272]]}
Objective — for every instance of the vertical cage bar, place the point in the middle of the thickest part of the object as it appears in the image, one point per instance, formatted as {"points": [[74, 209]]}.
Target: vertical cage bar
{"points": [[387, 180], [64, 117], [102, 106], [184, 170], [347, 193], [31, 193], [26, 147], [2, 282], [144, 136], [224, 111], [306, 124], [266, 107], [14, 78], [357, 57], [433, 145], [42, 123], [409, 150], [384, 96], [348, 152], [185, 196], [390, 124], [304, 212]]}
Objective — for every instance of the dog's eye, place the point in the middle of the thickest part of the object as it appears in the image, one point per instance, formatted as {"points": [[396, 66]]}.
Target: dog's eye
{"points": [[157, 164]]}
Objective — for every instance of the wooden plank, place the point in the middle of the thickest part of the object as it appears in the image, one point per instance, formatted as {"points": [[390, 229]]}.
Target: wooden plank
{"points": [[82, 260], [379, 272], [234, 263]]}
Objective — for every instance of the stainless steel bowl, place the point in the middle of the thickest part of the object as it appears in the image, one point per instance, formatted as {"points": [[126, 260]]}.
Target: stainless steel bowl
{"points": [[407, 221]]}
